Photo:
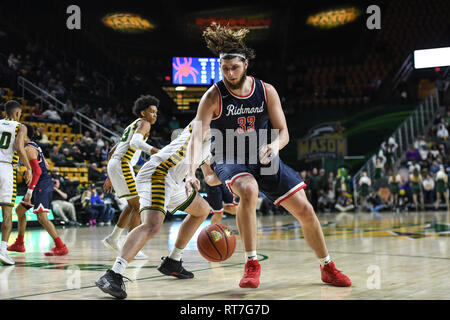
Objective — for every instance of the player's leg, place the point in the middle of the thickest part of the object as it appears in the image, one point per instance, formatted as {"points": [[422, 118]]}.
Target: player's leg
{"points": [[286, 188], [6, 231], [198, 210], [41, 202], [7, 199], [214, 199], [119, 172], [18, 245], [112, 281], [247, 189]]}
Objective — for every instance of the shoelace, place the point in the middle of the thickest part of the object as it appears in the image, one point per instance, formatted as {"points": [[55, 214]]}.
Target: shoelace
{"points": [[252, 270]]}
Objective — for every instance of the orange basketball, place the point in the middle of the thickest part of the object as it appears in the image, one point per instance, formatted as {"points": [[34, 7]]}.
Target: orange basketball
{"points": [[216, 242]]}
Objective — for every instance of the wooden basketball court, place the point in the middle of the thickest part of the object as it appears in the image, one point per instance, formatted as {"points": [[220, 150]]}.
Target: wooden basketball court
{"points": [[387, 256]]}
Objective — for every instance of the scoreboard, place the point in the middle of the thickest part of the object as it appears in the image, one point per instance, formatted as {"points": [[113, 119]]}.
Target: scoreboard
{"points": [[195, 71]]}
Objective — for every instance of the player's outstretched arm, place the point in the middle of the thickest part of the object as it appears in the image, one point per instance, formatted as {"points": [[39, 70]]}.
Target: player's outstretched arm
{"points": [[137, 140], [208, 105]]}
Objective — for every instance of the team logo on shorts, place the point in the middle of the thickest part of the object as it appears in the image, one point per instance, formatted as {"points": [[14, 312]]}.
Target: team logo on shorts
{"points": [[216, 235]]}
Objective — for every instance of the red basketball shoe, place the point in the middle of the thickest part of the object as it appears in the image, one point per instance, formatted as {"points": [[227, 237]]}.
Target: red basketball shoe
{"points": [[251, 275], [333, 276], [61, 251], [17, 247]]}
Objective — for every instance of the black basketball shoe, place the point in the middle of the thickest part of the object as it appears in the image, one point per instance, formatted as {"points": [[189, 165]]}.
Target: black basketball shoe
{"points": [[171, 267], [112, 283]]}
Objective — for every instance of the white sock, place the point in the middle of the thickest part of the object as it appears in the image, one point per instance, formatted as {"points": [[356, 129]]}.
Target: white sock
{"points": [[120, 265], [3, 246], [251, 255], [116, 232], [176, 254], [325, 260]]}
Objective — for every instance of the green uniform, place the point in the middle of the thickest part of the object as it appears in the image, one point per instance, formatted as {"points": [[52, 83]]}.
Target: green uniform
{"points": [[394, 188], [378, 172], [415, 187], [441, 186], [364, 190]]}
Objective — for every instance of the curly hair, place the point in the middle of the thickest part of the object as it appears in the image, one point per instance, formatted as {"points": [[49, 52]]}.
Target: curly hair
{"points": [[143, 102], [222, 40]]}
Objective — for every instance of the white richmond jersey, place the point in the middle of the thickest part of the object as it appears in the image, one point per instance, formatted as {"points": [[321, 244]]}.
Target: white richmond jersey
{"points": [[172, 158], [123, 150], [8, 134]]}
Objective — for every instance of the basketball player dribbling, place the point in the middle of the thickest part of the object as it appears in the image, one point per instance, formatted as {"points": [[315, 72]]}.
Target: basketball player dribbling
{"points": [[122, 157], [12, 137], [247, 105]]}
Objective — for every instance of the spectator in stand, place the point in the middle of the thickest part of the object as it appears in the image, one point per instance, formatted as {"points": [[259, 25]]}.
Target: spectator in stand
{"points": [[87, 207], [87, 135], [98, 205], [42, 138], [343, 203], [331, 181], [94, 174], [413, 154], [442, 132], [88, 148], [428, 189], [105, 151], [57, 158], [61, 206], [108, 212], [323, 180], [68, 158], [435, 167], [327, 199], [97, 158], [68, 112], [78, 143], [36, 113], [51, 115], [65, 144], [78, 157], [99, 141]]}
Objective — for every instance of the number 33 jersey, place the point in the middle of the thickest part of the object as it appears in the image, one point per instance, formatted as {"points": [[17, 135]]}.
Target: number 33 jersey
{"points": [[8, 133], [239, 118]]}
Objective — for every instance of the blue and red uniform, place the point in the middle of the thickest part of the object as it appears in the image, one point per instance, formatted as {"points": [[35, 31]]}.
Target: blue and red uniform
{"points": [[245, 115], [43, 192]]}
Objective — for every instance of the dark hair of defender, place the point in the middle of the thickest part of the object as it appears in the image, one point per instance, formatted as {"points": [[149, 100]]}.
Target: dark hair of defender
{"points": [[143, 102]]}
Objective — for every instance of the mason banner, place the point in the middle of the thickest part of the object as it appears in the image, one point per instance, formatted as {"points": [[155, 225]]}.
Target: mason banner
{"points": [[323, 141]]}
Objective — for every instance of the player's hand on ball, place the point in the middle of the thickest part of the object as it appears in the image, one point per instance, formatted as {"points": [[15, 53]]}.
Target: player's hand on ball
{"points": [[267, 153], [192, 182], [107, 186]]}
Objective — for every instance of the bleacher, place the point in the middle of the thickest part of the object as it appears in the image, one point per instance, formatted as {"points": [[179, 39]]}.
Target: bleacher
{"points": [[55, 133]]}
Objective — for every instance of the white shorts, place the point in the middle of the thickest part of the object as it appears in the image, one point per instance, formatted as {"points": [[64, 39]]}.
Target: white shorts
{"points": [[122, 177], [161, 192], [8, 185]]}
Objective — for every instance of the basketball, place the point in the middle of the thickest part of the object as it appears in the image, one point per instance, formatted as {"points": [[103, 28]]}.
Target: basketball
{"points": [[216, 242]]}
